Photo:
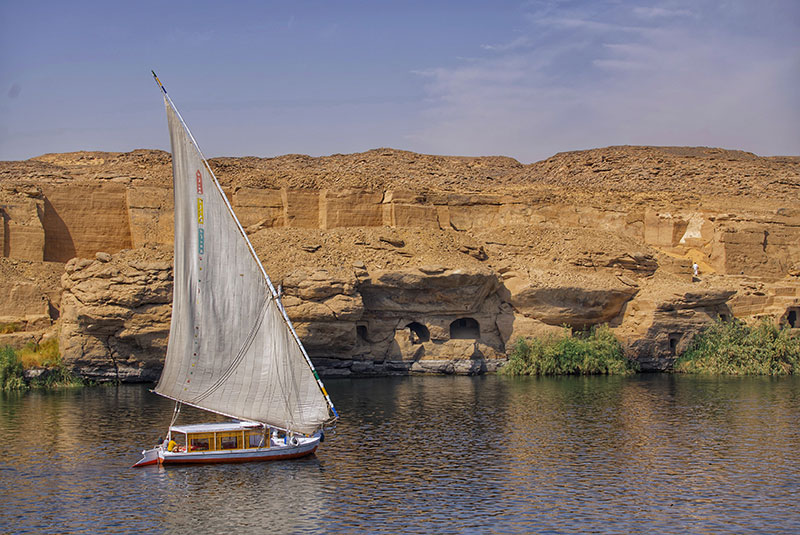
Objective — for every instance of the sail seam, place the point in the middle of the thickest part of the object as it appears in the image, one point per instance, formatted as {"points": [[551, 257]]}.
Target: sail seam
{"points": [[239, 356]]}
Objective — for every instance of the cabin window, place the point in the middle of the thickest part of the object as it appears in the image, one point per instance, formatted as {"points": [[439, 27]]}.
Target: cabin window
{"points": [[180, 440], [723, 317], [254, 440], [228, 443], [465, 328], [200, 444], [419, 333]]}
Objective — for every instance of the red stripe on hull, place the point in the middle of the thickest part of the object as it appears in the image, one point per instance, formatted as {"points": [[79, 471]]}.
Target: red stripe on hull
{"points": [[147, 463]]}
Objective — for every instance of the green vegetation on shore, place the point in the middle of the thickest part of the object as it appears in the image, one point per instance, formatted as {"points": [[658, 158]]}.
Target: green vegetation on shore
{"points": [[735, 348], [13, 364], [597, 353]]}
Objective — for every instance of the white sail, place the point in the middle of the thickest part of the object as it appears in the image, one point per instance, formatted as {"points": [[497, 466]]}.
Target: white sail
{"points": [[231, 350]]}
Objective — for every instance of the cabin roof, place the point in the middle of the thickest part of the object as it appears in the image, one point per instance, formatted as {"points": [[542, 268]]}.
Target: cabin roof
{"points": [[217, 427]]}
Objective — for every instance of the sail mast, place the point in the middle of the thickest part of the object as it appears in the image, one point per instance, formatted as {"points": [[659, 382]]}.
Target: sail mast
{"points": [[241, 231]]}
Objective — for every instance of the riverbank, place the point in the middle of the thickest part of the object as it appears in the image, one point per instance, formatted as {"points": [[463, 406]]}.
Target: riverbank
{"points": [[724, 348]]}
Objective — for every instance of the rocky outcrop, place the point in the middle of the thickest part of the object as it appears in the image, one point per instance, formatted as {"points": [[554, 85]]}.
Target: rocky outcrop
{"points": [[661, 324], [21, 231], [115, 314], [394, 262], [30, 296]]}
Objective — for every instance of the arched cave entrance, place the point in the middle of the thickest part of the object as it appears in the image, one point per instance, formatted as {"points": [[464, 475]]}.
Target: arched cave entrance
{"points": [[465, 329], [792, 317], [361, 333], [674, 339], [419, 333]]}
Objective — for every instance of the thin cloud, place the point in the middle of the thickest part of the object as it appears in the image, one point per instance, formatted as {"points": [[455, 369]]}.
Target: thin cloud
{"points": [[620, 64], [516, 44], [660, 12], [585, 83]]}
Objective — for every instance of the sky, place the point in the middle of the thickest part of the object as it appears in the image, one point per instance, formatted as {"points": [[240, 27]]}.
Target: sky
{"points": [[525, 79]]}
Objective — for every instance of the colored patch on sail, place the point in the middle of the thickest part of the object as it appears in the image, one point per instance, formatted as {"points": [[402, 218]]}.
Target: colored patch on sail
{"points": [[199, 182], [201, 241], [200, 216]]}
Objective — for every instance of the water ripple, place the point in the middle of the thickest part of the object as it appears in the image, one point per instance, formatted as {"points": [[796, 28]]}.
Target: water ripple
{"points": [[667, 454]]}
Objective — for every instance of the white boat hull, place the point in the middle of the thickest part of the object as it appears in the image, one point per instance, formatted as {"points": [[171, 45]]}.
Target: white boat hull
{"points": [[305, 446], [148, 457]]}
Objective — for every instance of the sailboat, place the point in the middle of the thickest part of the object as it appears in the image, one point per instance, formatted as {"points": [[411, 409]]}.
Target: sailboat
{"points": [[232, 349]]}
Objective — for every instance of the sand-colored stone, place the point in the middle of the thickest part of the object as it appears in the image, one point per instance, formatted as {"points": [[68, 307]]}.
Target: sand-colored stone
{"points": [[80, 220], [21, 230], [115, 314], [300, 208], [369, 247], [350, 208], [150, 216], [262, 207]]}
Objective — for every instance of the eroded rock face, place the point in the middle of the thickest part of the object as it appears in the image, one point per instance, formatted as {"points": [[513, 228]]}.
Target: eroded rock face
{"points": [[433, 319], [660, 325], [394, 321], [576, 306], [394, 262], [115, 314], [30, 295]]}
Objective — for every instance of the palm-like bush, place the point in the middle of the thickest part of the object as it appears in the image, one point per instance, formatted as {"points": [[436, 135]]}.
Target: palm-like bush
{"points": [[735, 348], [598, 353]]}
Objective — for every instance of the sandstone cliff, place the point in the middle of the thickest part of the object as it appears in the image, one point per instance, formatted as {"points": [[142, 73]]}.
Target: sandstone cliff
{"points": [[395, 262]]}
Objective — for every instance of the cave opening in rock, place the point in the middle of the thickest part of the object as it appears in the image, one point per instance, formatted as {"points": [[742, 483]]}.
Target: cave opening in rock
{"points": [[673, 342], [791, 318], [361, 332], [419, 333], [465, 329]]}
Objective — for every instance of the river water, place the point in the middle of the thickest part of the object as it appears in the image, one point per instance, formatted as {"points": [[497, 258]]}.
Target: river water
{"points": [[489, 454]]}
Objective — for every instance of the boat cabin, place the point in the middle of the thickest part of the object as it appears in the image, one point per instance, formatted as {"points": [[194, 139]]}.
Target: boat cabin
{"points": [[220, 436]]}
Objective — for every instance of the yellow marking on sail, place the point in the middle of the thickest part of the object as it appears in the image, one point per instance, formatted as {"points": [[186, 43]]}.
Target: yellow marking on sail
{"points": [[200, 217]]}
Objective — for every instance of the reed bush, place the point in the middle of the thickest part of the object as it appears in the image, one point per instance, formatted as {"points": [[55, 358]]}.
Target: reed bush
{"points": [[597, 353], [11, 377], [735, 348], [40, 355], [13, 364]]}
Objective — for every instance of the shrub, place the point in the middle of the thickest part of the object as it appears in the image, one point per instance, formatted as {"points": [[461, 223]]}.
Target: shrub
{"points": [[14, 363], [44, 354], [10, 369], [598, 353], [735, 348]]}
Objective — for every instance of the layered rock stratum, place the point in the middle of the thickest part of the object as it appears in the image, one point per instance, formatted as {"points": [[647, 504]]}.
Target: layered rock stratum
{"points": [[396, 262]]}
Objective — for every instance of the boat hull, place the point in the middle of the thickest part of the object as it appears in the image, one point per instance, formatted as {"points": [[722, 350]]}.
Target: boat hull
{"points": [[304, 447], [148, 457], [239, 456]]}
